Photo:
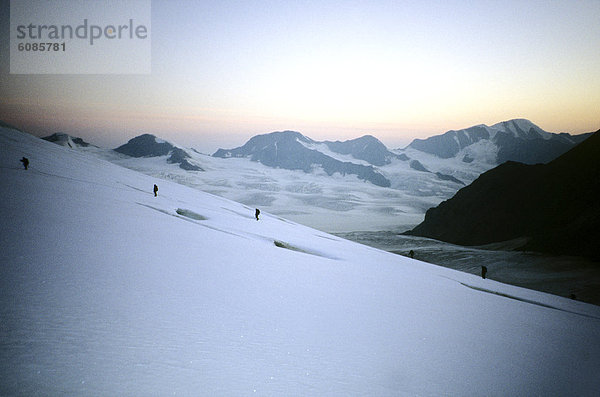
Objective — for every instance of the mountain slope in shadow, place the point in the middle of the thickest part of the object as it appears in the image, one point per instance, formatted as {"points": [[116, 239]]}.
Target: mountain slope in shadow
{"points": [[554, 206]]}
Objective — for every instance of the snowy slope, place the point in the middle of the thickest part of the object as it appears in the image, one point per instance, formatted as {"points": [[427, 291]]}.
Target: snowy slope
{"points": [[107, 290]]}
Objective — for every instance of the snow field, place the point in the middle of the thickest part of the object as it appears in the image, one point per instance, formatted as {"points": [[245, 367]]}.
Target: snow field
{"points": [[107, 290]]}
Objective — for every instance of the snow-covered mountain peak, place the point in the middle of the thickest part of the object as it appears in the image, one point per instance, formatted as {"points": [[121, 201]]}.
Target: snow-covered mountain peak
{"points": [[281, 136], [367, 148], [522, 128], [272, 140], [293, 151]]}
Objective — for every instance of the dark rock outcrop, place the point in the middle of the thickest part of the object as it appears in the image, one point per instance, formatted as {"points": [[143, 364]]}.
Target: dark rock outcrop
{"points": [[148, 145], [417, 166], [63, 139], [145, 145]]}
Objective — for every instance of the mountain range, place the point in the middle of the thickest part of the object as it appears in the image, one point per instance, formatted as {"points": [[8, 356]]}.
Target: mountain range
{"points": [[514, 140], [551, 207], [358, 183]]}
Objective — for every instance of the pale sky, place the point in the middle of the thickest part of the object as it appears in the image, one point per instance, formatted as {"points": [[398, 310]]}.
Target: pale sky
{"points": [[223, 71]]}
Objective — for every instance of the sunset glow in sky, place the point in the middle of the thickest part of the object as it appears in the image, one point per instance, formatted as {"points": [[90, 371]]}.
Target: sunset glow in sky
{"points": [[223, 71]]}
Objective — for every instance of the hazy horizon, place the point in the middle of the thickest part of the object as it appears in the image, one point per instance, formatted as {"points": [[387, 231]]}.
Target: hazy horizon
{"points": [[214, 143], [224, 71]]}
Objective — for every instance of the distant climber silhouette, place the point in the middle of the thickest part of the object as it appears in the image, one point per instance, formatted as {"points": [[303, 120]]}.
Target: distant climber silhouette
{"points": [[25, 162], [411, 254], [483, 271], [257, 213], [155, 190]]}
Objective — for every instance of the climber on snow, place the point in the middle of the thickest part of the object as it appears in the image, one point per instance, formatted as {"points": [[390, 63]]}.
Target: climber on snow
{"points": [[25, 162]]}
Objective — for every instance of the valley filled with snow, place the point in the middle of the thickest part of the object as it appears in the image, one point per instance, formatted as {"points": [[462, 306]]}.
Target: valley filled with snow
{"points": [[331, 203], [108, 290]]}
